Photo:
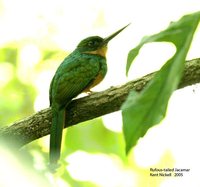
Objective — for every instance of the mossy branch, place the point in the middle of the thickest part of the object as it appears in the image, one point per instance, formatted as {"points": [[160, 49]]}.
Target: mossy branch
{"points": [[86, 108]]}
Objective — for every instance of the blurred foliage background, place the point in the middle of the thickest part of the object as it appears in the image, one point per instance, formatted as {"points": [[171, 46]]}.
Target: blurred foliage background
{"points": [[35, 36]]}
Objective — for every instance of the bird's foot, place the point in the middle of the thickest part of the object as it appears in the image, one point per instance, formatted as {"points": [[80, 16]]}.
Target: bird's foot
{"points": [[89, 92]]}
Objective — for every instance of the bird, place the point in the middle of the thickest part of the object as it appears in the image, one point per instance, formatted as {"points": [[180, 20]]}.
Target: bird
{"points": [[79, 72]]}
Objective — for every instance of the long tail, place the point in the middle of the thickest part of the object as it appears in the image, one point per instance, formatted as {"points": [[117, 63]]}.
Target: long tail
{"points": [[58, 119]]}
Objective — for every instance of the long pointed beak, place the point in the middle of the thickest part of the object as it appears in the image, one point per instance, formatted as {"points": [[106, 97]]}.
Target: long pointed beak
{"points": [[107, 39]]}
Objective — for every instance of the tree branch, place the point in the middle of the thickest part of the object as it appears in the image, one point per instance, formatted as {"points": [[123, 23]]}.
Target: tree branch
{"points": [[86, 108]]}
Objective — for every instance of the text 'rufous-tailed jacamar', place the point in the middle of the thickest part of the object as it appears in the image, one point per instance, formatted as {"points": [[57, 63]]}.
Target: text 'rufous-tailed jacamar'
{"points": [[83, 69]]}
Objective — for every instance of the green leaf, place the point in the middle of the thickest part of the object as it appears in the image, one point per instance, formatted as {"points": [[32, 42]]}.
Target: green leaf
{"points": [[146, 109]]}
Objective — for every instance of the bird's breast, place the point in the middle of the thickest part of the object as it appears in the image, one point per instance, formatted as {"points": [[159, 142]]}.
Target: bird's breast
{"points": [[95, 82]]}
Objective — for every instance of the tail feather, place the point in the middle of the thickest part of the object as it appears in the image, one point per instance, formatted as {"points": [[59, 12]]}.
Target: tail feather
{"points": [[58, 119]]}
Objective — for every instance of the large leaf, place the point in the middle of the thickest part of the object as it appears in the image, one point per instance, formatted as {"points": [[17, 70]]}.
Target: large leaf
{"points": [[146, 109]]}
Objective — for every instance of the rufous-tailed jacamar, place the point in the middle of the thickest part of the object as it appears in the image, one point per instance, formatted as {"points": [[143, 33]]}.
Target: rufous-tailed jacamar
{"points": [[83, 69]]}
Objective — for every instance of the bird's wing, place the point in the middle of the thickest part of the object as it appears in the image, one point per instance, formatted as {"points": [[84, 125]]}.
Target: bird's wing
{"points": [[72, 78], [50, 91]]}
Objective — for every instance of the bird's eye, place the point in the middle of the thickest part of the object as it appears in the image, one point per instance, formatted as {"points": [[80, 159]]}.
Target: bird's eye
{"points": [[91, 43]]}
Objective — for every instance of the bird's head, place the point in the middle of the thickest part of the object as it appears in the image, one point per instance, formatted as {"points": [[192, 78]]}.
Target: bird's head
{"points": [[96, 44]]}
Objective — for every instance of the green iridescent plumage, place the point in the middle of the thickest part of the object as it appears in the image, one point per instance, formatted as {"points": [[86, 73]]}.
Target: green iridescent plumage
{"points": [[84, 68]]}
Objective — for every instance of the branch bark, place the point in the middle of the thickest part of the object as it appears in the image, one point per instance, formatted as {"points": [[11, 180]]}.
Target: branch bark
{"points": [[86, 108]]}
